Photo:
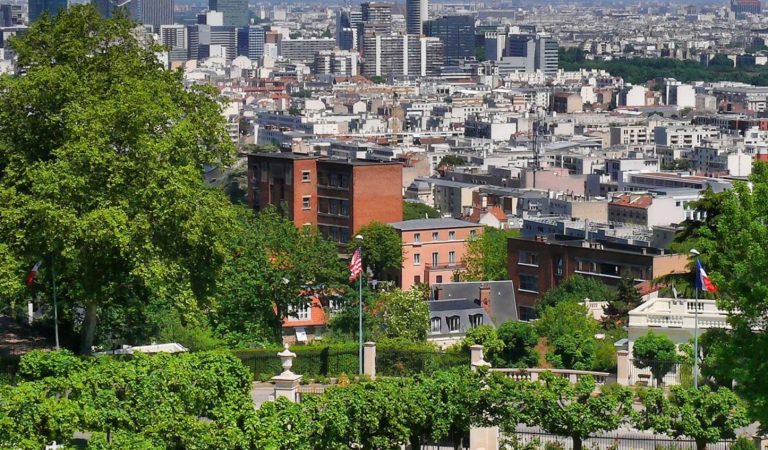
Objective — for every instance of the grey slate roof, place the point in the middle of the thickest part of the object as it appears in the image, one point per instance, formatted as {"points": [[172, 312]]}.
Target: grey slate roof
{"points": [[432, 224]]}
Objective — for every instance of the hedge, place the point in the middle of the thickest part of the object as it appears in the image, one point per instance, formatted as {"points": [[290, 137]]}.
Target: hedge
{"points": [[393, 358]]}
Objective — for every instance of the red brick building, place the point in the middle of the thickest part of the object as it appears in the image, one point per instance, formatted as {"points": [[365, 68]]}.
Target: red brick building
{"points": [[538, 264], [337, 196]]}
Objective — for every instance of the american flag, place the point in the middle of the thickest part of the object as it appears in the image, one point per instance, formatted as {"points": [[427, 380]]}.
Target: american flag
{"points": [[355, 265]]}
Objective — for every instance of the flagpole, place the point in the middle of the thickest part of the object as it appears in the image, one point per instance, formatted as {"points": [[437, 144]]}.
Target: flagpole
{"points": [[55, 304], [696, 281], [359, 239]]}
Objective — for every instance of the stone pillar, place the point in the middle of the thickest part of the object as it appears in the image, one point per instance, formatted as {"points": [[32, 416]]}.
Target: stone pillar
{"points": [[486, 438], [761, 442], [287, 383], [481, 438], [369, 359], [622, 367]]}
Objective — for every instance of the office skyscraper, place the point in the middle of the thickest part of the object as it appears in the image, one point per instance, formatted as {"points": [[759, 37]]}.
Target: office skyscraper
{"points": [[38, 7], [456, 32], [146, 12], [416, 13], [235, 11]]}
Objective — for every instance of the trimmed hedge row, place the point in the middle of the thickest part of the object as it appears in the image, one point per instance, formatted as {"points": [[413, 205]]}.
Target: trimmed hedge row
{"points": [[313, 361]]}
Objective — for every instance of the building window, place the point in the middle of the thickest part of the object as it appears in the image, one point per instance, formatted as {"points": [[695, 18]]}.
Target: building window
{"points": [[528, 258], [299, 312], [436, 324], [475, 320], [439, 279], [344, 208], [306, 202], [527, 313], [417, 238], [305, 177], [452, 235], [529, 283], [344, 180], [417, 279], [435, 258], [416, 259], [453, 322], [451, 257], [435, 236]]}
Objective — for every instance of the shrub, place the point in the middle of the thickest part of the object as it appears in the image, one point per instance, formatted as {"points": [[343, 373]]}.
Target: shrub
{"points": [[605, 357], [743, 443], [39, 364]]}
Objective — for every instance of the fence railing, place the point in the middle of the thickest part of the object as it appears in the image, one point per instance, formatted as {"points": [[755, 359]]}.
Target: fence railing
{"points": [[324, 362], [534, 373], [619, 440]]}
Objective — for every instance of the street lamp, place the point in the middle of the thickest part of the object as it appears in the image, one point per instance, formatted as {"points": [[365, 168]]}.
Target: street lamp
{"points": [[695, 253], [359, 239]]}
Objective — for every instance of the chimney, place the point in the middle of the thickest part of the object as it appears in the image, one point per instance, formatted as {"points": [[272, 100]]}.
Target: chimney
{"points": [[485, 298]]}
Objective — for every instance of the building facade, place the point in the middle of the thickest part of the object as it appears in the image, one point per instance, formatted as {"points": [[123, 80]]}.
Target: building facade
{"points": [[39, 7], [416, 13], [457, 34], [235, 11], [336, 196], [538, 264], [433, 249]]}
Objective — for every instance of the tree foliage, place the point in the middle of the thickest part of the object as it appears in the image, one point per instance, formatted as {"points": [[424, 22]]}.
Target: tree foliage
{"points": [[732, 241], [625, 299], [101, 151], [486, 256], [401, 315], [416, 211], [572, 410], [570, 333], [701, 414], [382, 249], [575, 288], [657, 353]]}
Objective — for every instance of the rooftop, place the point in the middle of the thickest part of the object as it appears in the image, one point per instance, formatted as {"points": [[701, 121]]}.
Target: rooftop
{"points": [[459, 304], [432, 224]]}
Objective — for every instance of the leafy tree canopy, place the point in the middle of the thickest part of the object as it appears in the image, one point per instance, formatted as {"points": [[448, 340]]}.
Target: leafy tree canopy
{"points": [[382, 248], [656, 352], [575, 288], [415, 211], [101, 151], [486, 257]]}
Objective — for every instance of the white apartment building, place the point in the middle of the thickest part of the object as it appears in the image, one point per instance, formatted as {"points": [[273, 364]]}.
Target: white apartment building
{"points": [[684, 135], [713, 161], [631, 135]]}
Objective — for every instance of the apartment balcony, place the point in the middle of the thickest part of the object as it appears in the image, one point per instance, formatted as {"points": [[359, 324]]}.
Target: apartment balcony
{"points": [[451, 267]]}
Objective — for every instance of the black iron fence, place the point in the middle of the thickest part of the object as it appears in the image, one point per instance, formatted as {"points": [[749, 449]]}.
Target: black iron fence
{"points": [[403, 362], [314, 364], [659, 373], [626, 440]]}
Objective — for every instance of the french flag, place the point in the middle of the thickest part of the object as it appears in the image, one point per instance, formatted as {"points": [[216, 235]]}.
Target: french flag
{"points": [[702, 280]]}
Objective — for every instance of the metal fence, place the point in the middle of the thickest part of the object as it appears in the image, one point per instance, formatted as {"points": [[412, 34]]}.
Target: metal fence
{"points": [[659, 373], [627, 440], [404, 362], [325, 362]]}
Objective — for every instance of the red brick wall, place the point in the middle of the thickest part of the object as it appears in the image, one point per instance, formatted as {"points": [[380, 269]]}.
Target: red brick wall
{"points": [[301, 188], [377, 194]]}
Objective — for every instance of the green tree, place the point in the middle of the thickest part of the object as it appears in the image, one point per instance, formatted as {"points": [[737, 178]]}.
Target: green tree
{"points": [[701, 414], [378, 79], [416, 211], [520, 341], [274, 268], [626, 298], [572, 410], [575, 288], [570, 333], [732, 243], [486, 256], [486, 336], [402, 315], [101, 151], [452, 160], [382, 249], [657, 353]]}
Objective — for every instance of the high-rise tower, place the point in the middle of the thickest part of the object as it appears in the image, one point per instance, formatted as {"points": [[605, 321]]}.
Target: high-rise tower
{"points": [[417, 12]]}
